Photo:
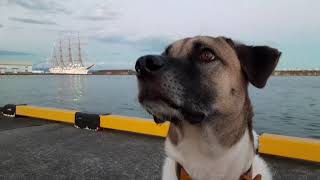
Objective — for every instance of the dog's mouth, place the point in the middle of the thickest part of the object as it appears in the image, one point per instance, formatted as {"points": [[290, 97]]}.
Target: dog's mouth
{"points": [[167, 103], [163, 109]]}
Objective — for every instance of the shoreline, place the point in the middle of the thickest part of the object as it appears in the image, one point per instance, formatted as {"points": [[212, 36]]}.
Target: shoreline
{"points": [[280, 73]]}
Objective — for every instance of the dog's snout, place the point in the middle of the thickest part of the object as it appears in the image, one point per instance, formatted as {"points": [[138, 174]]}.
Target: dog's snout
{"points": [[148, 64]]}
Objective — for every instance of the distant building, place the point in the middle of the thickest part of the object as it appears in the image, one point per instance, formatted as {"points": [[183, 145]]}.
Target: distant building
{"points": [[15, 68]]}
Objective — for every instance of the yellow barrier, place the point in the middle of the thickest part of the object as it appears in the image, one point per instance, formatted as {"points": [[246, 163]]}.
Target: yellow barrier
{"points": [[291, 147], [46, 113], [285, 146], [137, 125]]}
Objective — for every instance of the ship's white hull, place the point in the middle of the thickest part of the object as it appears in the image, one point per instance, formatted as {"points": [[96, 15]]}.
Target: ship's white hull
{"points": [[69, 70]]}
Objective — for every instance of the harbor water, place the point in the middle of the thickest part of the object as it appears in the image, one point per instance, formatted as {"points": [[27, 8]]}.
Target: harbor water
{"points": [[287, 105]]}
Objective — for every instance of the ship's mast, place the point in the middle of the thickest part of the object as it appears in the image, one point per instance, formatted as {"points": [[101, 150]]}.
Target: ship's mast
{"points": [[55, 60], [61, 57], [79, 51], [70, 55]]}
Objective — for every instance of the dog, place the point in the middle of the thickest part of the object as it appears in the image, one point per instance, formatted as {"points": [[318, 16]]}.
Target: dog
{"points": [[200, 85]]}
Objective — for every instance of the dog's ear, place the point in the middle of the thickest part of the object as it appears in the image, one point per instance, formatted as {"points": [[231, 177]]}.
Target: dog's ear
{"points": [[257, 62]]}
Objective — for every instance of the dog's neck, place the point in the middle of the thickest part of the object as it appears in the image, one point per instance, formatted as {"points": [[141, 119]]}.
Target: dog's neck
{"points": [[205, 150]]}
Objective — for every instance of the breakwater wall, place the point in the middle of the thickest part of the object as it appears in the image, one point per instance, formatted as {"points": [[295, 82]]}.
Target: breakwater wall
{"points": [[270, 144], [296, 73]]}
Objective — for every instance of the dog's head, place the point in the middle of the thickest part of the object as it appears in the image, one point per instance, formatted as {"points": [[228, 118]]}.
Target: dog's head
{"points": [[200, 78]]}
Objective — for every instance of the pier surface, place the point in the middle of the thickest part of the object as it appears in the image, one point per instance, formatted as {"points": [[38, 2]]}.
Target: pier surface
{"points": [[37, 149]]}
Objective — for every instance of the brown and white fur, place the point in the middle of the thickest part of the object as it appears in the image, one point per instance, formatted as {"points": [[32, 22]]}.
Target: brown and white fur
{"points": [[200, 85]]}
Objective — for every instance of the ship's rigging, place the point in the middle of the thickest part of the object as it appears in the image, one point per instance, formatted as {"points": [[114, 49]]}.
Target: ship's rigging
{"points": [[67, 63]]}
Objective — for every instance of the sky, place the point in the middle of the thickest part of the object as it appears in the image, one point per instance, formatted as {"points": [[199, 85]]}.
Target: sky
{"points": [[115, 33]]}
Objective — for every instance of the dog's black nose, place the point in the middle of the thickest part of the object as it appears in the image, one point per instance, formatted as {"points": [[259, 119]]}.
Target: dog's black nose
{"points": [[148, 64]]}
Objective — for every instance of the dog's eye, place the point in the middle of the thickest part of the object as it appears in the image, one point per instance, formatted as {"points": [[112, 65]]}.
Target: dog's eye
{"points": [[206, 55]]}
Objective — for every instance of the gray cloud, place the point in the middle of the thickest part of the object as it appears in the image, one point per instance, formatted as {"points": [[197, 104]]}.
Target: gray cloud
{"points": [[14, 53], [41, 5], [97, 18], [32, 21], [100, 14], [152, 44], [1, 25], [15, 28], [146, 44], [113, 39]]}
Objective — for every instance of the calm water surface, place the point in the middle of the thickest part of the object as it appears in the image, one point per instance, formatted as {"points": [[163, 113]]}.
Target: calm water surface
{"points": [[288, 105]]}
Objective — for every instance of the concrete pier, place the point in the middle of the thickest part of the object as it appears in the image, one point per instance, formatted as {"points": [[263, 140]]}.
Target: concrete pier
{"points": [[37, 149]]}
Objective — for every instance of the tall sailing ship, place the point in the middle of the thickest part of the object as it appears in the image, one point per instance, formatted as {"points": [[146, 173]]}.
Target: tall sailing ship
{"points": [[68, 64]]}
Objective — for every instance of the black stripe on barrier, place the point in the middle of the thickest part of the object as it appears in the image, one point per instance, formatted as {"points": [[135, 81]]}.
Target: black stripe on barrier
{"points": [[9, 110], [86, 120]]}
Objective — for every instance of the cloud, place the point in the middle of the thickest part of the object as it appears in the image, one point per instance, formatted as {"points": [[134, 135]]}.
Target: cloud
{"points": [[40, 5], [15, 28], [154, 43], [144, 44], [113, 39], [14, 53], [100, 12], [96, 18], [32, 21], [1, 25]]}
